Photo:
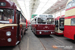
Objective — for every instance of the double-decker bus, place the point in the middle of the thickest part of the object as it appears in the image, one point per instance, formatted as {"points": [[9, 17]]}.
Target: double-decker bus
{"points": [[57, 25], [12, 24], [69, 20], [43, 24]]}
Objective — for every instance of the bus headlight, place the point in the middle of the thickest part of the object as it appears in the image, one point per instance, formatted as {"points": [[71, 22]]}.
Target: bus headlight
{"points": [[9, 39], [8, 33], [51, 32], [40, 32]]}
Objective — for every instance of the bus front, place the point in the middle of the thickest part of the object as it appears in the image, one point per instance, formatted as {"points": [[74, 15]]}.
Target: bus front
{"points": [[7, 26], [45, 25]]}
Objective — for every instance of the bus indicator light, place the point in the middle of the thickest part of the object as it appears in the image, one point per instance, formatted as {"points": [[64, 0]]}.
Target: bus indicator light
{"points": [[40, 32], [35, 25], [10, 20], [21, 25]]}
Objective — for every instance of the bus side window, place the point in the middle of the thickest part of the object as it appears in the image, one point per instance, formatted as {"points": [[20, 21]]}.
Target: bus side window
{"points": [[73, 21], [33, 21], [22, 18], [25, 19], [61, 23], [73, 4]]}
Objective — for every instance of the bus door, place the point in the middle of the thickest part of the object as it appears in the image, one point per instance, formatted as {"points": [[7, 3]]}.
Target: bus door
{"points": [[56, 25], [61, 24], [18, 25]]}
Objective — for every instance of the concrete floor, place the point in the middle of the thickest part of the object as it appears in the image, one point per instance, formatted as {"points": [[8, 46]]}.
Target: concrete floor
{"points": [[52, 42]]}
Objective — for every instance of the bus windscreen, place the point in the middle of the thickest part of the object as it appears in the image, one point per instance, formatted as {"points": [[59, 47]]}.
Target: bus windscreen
{"points": [[6, 15]]}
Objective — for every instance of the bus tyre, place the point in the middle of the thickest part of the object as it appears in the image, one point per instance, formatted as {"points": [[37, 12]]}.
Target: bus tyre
{"points": [[21, 35], [36, 34], [24, 32], [74, 38]]}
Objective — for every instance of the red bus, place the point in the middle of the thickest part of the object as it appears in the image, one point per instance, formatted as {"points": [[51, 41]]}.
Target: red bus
{"points": [[69, 20], [12, 24], [26, 25], [57, 24], [43, 25]]}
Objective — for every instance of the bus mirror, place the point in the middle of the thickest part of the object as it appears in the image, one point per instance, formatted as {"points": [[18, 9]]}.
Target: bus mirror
{"points": [[10, 20]]}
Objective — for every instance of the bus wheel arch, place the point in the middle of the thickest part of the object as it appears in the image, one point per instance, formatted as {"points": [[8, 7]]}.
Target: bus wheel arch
{"points": [[24, 32], [21, 34]]}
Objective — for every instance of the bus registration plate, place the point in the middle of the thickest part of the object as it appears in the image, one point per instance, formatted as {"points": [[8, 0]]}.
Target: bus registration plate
{"points": [[45, 31]]}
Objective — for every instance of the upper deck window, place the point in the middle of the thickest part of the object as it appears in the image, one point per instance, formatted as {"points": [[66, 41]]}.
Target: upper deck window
{"points": [[73, 0], [73, 3], [6, 16], [69, 5]]}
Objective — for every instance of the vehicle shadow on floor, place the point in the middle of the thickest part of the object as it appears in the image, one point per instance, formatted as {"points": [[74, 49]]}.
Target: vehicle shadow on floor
{"points": [[44, 36], [70, 40], [7, 48], [59, 35]]}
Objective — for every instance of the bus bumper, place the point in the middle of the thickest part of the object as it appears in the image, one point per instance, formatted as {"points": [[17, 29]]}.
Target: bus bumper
{"points": [[4, 42], [44, 32], [59, 33]]}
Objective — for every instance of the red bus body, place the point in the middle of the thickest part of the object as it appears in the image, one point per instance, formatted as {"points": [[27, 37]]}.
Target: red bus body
{"points": [[69, 20], [69, 30], [42, 29], [26, 25], [10, 33]]}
